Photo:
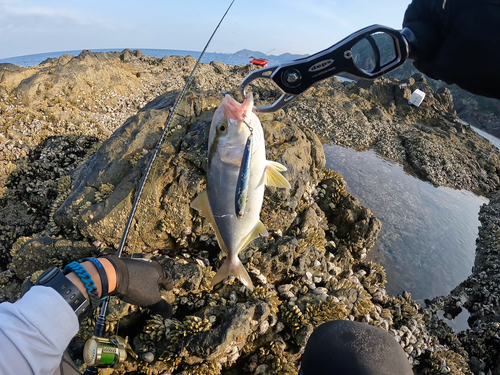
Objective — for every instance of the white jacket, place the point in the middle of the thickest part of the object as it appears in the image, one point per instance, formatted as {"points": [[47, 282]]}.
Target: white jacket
{"points": [[34, 332]]}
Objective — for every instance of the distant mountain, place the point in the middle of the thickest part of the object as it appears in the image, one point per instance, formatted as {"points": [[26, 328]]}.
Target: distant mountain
{"points": [[273, 59]]}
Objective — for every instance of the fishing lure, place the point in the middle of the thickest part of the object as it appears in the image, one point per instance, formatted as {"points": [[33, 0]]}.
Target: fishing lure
{"points": [[241, 195]]}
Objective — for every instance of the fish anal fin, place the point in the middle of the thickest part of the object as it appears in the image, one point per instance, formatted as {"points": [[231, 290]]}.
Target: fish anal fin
{"points": [[235, 268], [273, 177], [258, 231], [202, 205]]}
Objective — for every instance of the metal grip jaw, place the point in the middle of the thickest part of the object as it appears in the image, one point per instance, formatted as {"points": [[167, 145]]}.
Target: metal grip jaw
{"points": [[369, 53]]}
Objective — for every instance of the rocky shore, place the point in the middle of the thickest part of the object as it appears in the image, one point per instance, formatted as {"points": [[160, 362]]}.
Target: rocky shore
{"points": [[76, 133]]}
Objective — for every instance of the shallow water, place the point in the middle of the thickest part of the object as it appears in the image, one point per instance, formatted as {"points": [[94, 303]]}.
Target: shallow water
{"points": [[427, 242], [494, 140]]}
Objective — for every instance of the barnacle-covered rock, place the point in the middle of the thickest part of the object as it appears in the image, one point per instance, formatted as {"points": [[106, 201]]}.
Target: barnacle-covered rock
{"points": [[118, 312], [32, 185], [43, 252], [311, 269]]}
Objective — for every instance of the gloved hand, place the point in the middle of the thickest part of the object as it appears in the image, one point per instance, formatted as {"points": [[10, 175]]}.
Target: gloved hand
{"points": [[139, 282], [458, 42]]}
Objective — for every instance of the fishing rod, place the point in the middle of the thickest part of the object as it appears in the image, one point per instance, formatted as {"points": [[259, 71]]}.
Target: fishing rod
{"points": [[100, 352]]}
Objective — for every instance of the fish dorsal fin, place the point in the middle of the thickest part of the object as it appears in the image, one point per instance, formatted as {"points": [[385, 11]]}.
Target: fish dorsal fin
{"points": [[273, 177], [202, 205], [258, 231]]}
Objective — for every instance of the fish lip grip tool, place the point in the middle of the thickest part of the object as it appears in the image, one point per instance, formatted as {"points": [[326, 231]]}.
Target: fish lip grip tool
{"points": [[368, 53]]}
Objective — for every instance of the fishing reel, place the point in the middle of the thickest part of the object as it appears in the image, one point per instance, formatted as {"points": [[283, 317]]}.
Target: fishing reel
{"points": [[103, 352]]}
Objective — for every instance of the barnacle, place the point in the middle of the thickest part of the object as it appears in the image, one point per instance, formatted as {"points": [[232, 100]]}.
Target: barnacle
{"points": [[5, 277], [293, 316], [154, 330], [331, 174], [315, 239], [375, 275], [403, 309], [270, 296], [325, 311], [176, 331], [363, 304], [447, 361], [105, 190], [194, 324], [208, 368], [63, 190], [17, 245], [357, 248], [137, 156], [206, 281], [274, 359], [34, 277]]}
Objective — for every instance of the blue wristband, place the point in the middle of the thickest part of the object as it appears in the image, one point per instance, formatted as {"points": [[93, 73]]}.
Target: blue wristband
{"points": [[82, 274], [86, 279], [102, 275]]}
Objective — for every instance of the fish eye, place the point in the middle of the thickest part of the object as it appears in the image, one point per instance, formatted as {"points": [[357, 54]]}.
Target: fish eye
{"points": [[222, 128]]}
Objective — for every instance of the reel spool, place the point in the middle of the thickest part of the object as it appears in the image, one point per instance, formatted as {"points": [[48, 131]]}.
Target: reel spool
{"points": [[102, 352]]}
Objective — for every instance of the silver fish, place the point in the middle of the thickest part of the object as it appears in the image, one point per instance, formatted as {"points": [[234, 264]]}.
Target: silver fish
{"points": [[229, 133]]}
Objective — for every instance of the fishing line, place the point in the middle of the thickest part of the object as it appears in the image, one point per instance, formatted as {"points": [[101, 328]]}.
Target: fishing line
{"points": [[100, 324]]}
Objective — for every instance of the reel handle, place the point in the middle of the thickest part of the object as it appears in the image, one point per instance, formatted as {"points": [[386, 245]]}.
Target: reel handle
{"points": [[91, 370]]}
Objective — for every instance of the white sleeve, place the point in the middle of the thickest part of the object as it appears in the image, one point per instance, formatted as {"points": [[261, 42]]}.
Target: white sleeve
{"points": [[34, 332]]}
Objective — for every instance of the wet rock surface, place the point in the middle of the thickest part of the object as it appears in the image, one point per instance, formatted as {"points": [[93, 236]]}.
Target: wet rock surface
{"points": [[479, 295], [69, 197], [430, 140]]}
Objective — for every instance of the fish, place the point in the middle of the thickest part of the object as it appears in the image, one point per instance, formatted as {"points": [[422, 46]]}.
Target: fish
{"points": [[236, 132]]}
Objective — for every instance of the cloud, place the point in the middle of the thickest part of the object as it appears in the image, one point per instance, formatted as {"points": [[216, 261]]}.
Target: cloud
{"points": [[20, 15], [28, 27]]}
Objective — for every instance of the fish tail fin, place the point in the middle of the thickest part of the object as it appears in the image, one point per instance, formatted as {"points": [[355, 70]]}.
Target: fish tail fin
{"points": [[235, 268]]}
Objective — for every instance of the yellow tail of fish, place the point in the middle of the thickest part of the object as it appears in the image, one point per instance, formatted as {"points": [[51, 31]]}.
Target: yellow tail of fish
{"points": [[234, 268]]}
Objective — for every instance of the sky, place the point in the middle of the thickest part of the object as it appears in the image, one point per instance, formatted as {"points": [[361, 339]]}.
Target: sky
{"points": [[269, 26]]}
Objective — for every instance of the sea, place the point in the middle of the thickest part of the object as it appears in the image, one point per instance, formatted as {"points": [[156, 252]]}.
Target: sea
{"points": [[231, 59]]}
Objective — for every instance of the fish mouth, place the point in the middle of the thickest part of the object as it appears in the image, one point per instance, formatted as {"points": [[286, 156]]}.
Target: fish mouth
{"points": [[238, 111]]}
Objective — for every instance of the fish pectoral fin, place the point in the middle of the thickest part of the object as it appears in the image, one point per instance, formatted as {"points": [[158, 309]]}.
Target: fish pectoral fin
{"points": [[273, 177], [278, 166], [230, 269], [258, 231], [202, 205]]}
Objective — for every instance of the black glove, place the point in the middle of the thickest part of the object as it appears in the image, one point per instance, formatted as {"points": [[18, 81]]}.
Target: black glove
{"points": [[139, 281], [457, 42]]}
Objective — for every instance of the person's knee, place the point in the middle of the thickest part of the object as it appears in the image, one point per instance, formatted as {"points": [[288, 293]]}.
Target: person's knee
{"points": [[353, 348]]}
